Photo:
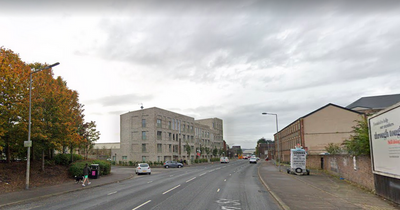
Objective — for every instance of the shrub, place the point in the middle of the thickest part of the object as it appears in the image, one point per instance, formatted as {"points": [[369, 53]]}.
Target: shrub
{"points": [[105, 166], [62, 159], [76, 168], [65, 159]]}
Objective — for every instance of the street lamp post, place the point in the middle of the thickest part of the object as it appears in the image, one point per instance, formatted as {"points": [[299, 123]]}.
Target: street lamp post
{"points": [[277, 138], [29, 143]]}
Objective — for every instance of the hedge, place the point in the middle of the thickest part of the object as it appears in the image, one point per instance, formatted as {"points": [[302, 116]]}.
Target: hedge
{"points": [[76, 168]]}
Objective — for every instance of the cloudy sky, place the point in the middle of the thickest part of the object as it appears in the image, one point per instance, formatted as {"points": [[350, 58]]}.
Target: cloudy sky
{"points": [[227, 59]]}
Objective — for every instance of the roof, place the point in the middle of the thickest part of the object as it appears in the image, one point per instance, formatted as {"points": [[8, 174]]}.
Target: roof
{"points": [[330, 104], [317, 110], [375, 102]]}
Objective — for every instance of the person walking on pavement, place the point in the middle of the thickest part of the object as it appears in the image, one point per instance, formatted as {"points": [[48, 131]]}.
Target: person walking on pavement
{"points": [[86, 175]]}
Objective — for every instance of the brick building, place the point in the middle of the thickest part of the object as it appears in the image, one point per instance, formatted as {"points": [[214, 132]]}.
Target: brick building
{"points": [[314, 131]]}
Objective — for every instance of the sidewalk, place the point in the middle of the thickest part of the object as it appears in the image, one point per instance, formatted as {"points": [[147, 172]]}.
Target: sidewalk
{"points": [[317, 191], [117, 174]]}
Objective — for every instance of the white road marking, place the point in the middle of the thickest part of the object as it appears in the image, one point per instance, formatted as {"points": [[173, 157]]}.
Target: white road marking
{"points": [[171, 189], [202, 174], [142, 204], [218, 190], [224, 180], [190, 179], [149, 182], [112, 193]]}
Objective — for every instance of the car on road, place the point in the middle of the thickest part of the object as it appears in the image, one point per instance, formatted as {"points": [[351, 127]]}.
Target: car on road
{"points": [[224, 160], [253, 160], [143, 168], [172, 164]]}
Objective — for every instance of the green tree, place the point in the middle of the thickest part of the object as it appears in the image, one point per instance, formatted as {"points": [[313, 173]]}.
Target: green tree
{"points": [[207, 150], [215, 151], [90, 135], [188, 150], [262, 140], [358, 144], [333, 148]]}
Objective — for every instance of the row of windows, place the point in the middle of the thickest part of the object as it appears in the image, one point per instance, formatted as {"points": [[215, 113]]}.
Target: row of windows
{"points": [[171, 148]]}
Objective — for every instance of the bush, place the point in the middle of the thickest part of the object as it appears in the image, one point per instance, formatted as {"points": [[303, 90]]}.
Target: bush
{"points": [[62, 159], [105, 166], [76, 168], [65, 159]]}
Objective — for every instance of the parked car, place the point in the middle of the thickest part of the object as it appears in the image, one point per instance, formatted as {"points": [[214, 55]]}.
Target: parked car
{"points": [[224, 160], [172, 164], [143, 168], [253, 160]]}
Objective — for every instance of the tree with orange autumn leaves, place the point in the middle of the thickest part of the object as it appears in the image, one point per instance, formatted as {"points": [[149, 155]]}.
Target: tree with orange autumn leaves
{"points": [[57, 116]]}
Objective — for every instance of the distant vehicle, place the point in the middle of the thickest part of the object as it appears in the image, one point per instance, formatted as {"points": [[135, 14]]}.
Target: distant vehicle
{"points": [[172, 164], [143, 168], [253, 160], [224, 160]]}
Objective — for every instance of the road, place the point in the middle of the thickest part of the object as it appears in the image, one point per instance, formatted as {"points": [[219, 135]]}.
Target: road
{"points": [[215, 186]]}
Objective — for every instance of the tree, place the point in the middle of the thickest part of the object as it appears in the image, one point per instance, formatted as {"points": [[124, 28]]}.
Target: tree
{"points": [[90, 135], [207, 150], [358, 144], [333, 148], [14, 83], [215, 151], [188, 150], [262, 141]]}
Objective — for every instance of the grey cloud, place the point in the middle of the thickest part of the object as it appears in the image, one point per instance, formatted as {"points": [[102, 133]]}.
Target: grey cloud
{"points": [[119, 100]]}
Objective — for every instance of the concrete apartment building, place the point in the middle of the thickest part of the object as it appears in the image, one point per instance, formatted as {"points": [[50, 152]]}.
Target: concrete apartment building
{"points": [[314, 131], [155, 134]]}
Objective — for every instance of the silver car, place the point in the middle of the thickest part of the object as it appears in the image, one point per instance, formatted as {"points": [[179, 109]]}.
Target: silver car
{"points": [[253, 160], [143, 168]]}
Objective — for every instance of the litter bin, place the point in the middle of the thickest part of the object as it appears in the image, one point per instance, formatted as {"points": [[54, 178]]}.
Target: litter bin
{"points": [[94, 171]]}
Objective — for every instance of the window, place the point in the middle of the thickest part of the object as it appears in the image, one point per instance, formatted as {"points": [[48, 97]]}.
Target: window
{"points": [[170, 147], [144, 135], [144, 148], [159, 135], [158, 123], [159, 148], [143, 123], [169, 124], [124, 157], [169, 136], [143, 158]]}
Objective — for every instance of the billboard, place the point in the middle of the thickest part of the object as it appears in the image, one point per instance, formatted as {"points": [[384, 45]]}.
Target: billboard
{"points": [[385, 141]]}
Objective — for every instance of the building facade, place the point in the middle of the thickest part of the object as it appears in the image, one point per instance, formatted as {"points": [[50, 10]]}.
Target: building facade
{"points": [[155, 134], [314, 131]]}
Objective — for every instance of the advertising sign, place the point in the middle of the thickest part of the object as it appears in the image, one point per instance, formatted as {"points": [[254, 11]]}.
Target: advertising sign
{"points": [[298, 159], [385, 142]]}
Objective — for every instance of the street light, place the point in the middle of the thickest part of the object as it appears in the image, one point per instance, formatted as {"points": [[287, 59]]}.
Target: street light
{"points": [[277, 137], [29, 143]]}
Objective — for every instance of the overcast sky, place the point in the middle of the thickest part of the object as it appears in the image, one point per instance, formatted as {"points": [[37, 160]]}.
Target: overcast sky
{"points": [[227, 59]]}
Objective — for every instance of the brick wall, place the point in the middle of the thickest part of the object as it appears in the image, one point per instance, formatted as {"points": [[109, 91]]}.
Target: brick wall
{"points": [[358, 171]]}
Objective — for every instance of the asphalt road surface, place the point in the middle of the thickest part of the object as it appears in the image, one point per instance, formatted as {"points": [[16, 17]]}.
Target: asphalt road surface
{"points": [[217, 186]]}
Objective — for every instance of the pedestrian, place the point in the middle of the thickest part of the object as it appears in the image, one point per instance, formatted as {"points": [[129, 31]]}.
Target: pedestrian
{"points": [[86, 175]]}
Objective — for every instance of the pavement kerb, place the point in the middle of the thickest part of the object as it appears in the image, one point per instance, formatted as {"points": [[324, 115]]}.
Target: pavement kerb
{"points": [[280, 202], [65, 192]]}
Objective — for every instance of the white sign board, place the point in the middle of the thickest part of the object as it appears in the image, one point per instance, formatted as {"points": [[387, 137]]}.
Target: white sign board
{"points": [[385, 142], [298, 159]]}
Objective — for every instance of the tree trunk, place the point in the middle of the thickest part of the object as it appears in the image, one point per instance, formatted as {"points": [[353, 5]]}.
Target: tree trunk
{"points": [[8, 153], [43, 160], [72, 154]]}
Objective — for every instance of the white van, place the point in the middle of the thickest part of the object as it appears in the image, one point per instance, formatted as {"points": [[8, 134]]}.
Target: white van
{"points": [[224, 160]]}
